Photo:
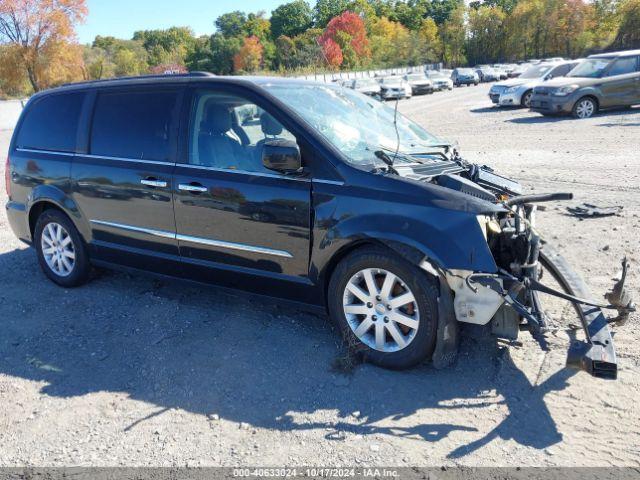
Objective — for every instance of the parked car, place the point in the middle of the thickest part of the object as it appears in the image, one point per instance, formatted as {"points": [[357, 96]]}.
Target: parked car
{"points": [[520, 69], [394, 87], [388, 229], [511, 69], [487, 74], [368, 86], [517, 92], [420, 83], [464, 76], [501, 70], [440, 80], [600, 82]]}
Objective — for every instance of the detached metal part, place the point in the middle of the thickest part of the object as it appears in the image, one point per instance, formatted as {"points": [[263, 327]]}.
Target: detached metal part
{"points": [[597, 354]]}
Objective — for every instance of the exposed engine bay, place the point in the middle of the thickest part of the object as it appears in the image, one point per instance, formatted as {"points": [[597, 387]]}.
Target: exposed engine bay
{"points": [[508, 300]]}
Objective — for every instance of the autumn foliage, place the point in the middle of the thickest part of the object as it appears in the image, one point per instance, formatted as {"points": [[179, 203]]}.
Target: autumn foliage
{"points": [[345, 40], [39, 40], [39, 49], [249, 57]]}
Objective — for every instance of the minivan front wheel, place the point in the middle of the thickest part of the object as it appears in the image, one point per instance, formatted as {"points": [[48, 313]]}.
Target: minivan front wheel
{"points": [[585, 108], [61, 252], [386, 308]]}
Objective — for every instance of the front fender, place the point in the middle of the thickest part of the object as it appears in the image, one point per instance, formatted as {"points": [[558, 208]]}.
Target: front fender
{"points": [[450, 239]]}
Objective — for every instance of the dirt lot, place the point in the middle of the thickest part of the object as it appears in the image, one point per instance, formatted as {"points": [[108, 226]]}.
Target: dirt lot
{"points": [[132, 371]]}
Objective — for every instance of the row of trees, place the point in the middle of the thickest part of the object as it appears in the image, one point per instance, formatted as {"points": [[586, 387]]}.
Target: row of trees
{"points": [[38, 47]]}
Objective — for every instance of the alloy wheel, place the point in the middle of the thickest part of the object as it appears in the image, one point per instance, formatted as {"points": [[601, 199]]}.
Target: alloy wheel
{"points": [[585, 108], [381, 310], [58, 249], [526, 100]]}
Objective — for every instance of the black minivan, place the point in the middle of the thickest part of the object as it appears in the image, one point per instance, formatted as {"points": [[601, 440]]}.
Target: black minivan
{"points": [[301, 191]]}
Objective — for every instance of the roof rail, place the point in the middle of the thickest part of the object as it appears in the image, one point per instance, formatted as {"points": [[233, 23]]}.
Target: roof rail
{"points": [[143, 77]]}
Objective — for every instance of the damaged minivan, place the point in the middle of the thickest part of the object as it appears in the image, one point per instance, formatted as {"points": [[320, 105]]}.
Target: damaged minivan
{"points": [[300, 191]]}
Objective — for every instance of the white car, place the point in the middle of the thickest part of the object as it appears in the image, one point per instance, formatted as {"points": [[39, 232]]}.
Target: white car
{"points": [[394, 88], [368, 86], [440, 80], [516, 92]]}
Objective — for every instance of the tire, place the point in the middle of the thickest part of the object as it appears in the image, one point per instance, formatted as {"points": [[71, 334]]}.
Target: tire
{"points": [[586, 107], [68, 265], [526, 99], [374, 334]]}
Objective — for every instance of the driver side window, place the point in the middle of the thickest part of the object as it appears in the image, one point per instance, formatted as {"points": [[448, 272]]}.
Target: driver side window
{"points": [[229, 132]]}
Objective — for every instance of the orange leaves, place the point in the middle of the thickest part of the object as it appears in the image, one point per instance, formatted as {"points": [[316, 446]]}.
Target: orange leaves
{"points": [[345, 39], [44, 33], [249, 57]]}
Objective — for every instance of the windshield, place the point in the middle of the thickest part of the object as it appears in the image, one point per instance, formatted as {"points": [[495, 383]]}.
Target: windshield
{"points": [[355, 124], [536, 71], [465, 71], [591, 68], [436, 75]]}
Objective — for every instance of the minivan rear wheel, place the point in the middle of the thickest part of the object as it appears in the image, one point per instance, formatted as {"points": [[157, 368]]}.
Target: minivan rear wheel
{"points": [[386, 308], [61, 252]]}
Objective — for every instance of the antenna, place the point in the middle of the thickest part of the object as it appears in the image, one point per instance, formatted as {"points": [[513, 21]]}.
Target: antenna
{"points": [[395, 124]]}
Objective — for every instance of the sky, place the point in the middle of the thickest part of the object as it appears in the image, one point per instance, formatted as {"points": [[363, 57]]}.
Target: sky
{"points": [[120, 18]]}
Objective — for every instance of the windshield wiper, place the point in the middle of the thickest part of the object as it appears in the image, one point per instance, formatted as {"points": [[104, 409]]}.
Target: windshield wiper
{"points": [[381, 154]]}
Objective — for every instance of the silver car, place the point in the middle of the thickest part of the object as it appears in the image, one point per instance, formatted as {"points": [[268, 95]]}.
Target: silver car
{"points": [[368, 86], [394, 88], [516, 92], [420, 84], [440, 80]]}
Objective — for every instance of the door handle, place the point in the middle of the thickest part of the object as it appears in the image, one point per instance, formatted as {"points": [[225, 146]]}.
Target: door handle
{"points": [[192, 187], [153, 182]]}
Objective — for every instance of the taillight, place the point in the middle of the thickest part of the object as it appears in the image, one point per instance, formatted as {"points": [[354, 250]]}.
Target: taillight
{"points": [[7, 178]]}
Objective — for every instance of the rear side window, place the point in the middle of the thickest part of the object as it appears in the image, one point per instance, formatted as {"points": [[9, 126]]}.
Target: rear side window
{"points": [[622, 66], [135, 125], [51, 123]]}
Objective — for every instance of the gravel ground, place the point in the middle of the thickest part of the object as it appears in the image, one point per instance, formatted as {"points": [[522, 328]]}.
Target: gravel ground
{"points": [[133, 371]]}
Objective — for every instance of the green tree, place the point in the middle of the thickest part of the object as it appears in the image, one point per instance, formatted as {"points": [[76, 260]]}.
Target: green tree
{"points": [[286, 53], [325, 10], [452, 35], [441, 10], [605, 22], [291, 19], [200, 58], [629, 33], [223, 49], [486, 35], [127, 63], [231, 24], [411, 14], [172, 45]]}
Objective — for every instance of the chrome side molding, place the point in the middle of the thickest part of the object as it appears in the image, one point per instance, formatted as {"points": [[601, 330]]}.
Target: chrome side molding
{"points": [[197, 240]]}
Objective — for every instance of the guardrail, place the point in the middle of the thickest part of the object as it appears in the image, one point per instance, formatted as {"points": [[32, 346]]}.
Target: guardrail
{"points": [[329, 77]]}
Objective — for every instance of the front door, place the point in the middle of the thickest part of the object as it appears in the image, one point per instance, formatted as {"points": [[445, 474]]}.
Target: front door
{"points": [[237, 221], [123, 183]]}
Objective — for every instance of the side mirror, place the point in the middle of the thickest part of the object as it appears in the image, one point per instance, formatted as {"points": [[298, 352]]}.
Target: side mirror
{"points": [[282, 156]]}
